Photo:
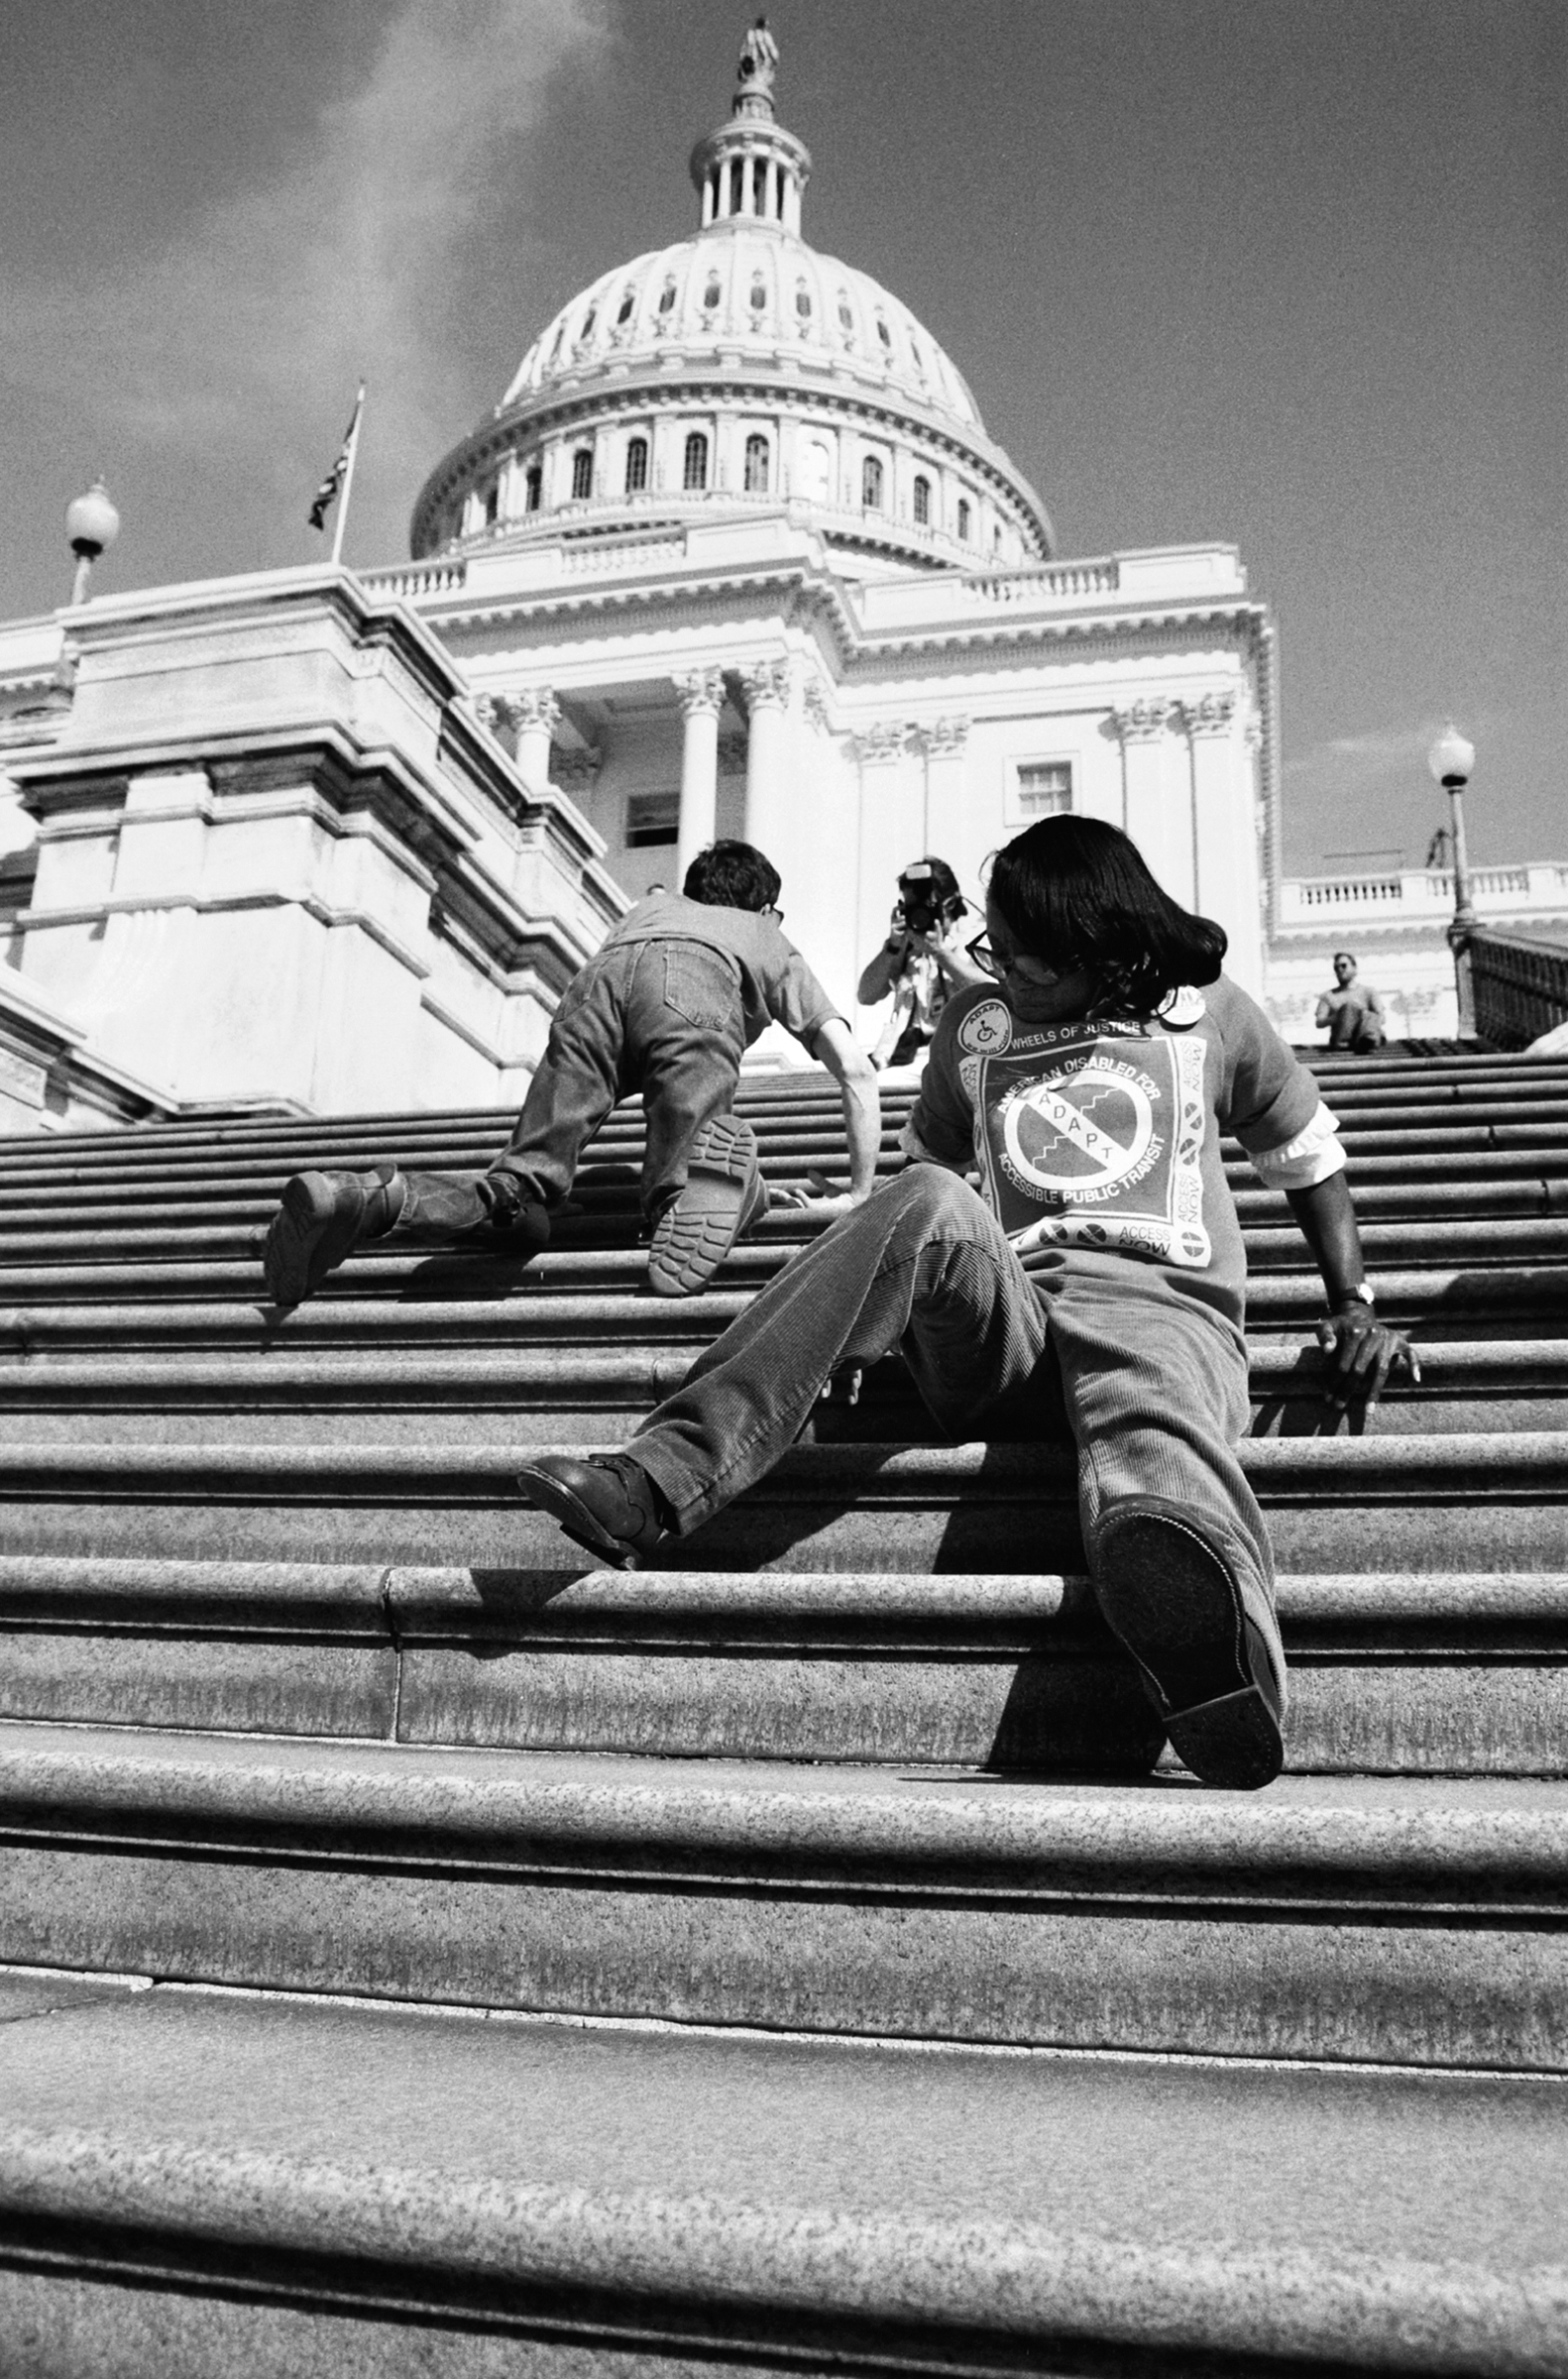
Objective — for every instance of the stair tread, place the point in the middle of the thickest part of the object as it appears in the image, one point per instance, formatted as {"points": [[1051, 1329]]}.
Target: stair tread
{"points": [[1014, 2195]]}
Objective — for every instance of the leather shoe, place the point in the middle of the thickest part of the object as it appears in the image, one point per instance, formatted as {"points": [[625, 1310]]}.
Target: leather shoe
{"points": [[1207, 1649], [606, 1504], [322, 1216]]}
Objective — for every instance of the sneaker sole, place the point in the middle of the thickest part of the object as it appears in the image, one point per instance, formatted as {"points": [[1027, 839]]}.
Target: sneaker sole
{"points": [[305, 1238], [572, 1514], [691, 1238], [1170, 1602]]}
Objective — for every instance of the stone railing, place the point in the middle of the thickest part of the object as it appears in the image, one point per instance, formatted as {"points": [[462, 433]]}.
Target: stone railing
{"points": [[418, 579], [1520, 988], [1422, 895], [1035, 585]]}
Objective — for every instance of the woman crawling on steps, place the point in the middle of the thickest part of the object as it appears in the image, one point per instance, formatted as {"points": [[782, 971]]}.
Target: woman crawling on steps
{"points": [[1089, 1080]]}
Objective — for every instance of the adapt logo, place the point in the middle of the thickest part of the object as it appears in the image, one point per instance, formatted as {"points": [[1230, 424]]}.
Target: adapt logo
{"points": [[1086, 1133], [987, 1030]]}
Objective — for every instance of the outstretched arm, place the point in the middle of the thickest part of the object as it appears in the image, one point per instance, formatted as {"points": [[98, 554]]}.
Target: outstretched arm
{"points": [[1362, 1350], [836, 1047]]}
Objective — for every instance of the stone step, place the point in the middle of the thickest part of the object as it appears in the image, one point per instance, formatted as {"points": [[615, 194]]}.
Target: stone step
{"points": [[1404, 1920], [1451, 1502], [542, 1392], [196, 2181], [1414, 1674]]}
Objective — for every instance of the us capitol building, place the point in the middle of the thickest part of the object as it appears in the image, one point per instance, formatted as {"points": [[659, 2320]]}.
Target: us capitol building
{"points": [[734, 554]]}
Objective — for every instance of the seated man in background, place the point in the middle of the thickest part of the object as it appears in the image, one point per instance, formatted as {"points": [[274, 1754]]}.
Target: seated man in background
{"points": [[1352, 1011], [922, 962], [1100, 1266], [668, 1005]]}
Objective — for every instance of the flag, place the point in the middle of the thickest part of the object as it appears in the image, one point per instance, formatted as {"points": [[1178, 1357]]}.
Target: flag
{"points": [[326, 494]]}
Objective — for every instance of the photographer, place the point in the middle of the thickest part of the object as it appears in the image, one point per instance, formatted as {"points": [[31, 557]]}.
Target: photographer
{"points": [[922, 962]]}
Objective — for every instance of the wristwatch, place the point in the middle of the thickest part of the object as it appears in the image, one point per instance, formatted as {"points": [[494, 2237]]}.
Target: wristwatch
{"points": [[1361, 1295]]}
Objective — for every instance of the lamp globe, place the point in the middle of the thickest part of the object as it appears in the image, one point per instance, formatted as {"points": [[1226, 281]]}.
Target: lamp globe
{"points": [[1451, 757]]}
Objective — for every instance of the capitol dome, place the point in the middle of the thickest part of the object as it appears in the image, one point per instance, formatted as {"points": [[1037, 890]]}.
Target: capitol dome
{"points": [[739, 372]]}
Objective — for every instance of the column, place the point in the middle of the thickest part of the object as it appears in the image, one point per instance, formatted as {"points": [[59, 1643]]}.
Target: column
{"points": [[944, 743], [536, 713], [1157, 811], [767, 688], [1224, 833], [888, 827], [702, 697]]}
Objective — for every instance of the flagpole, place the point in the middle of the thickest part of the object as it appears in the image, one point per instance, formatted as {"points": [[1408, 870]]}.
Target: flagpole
{"points": [[348, 480]]}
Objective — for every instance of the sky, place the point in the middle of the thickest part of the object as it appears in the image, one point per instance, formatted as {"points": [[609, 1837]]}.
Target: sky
{"points": [[1283, 274]]}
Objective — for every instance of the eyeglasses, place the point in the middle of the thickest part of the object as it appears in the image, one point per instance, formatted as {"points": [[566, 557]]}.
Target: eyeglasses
{"points": [[777, 915], [983, 955]]}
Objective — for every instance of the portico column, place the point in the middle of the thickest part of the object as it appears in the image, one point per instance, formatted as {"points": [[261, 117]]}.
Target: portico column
{"points": [[1158, 810], [944, 744], [702, 697], [767, 688], [1223, 816], [536, 713]]}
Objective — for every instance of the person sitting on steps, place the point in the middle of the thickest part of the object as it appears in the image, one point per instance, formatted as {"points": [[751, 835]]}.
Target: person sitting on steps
{"points": [[1100, 1269], [668, 1005]]}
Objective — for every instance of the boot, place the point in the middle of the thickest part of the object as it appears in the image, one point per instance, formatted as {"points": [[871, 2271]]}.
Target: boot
{"points": [[322, 1218]]}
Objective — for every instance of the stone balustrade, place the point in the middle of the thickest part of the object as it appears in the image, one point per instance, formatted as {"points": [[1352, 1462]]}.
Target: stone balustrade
{"points": [[1422, 895]]}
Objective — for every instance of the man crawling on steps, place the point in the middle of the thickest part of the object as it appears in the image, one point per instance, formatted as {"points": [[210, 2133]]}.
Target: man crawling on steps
{"points": [[668, 1006], [1099, 1270]]}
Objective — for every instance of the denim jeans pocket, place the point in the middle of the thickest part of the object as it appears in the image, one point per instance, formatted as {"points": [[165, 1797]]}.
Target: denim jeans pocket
{"points": [[700, 984]]}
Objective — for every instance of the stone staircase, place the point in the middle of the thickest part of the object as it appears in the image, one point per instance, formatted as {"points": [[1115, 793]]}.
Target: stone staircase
{"points": [[425, 1954]]}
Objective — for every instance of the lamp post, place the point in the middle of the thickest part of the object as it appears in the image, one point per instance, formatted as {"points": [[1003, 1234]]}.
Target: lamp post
{"points": [[1451, 761], [91, 526]]}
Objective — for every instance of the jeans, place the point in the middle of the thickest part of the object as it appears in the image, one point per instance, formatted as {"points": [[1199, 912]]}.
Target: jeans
{"points": [[660, 1017], [1152, 1385]]}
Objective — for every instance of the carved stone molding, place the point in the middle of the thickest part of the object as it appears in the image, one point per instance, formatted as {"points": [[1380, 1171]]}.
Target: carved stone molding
{"points": [[943, 738], [1147, 720], [815, 704], [701, 690], [767, 685], [887, 740], [1211, 713], [528, 707]]}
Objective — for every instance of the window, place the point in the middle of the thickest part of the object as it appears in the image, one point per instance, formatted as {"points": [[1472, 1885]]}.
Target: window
{"points": [[711, 295], [626, 304], [845, 317], [534, 485], [1045, 788], [589, 320], [871, 483], [757, 466], [964, 519], [652, 818], [667, 298], [922, 499], [491, 502], [803, 301], [883, 333], [759, 296], [759, 187], [636, 465], [919, 360], [695, 473], [582, 471], [737, 183]]}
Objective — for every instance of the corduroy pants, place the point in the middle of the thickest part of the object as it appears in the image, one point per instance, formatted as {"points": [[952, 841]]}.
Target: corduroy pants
{"points": [[1152, 1386]]}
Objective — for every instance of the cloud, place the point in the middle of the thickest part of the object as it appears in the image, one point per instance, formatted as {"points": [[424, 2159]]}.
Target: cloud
{"points": [[244, 336], [1366, 759]]}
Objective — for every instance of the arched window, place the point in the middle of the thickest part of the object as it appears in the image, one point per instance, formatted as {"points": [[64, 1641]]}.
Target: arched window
{"points": [[871, 483], [919, 360], [759, 296], [636, 465], [759, 187], [626, 304], [695, 473], [589, 320], [737, 183], [667, 298], [803, 301], [712, 294], [534, 489], [964, 519], [922, 499], [845, 317], [491, 502], [582, 471], [757, 466], [883, 333]]}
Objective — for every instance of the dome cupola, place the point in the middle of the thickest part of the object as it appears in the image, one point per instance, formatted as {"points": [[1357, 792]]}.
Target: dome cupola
{"points": [[733, 373]]}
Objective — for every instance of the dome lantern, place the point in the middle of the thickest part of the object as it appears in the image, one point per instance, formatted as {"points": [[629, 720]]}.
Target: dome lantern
{"points": [[751, 169]]}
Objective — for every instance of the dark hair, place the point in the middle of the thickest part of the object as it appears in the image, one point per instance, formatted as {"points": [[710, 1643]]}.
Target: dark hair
{"points": [[732, 875], [1347, 953], [1076, 892]]}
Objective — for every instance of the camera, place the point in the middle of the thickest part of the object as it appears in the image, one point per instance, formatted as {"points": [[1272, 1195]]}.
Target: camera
{"points": [[928, 898]]}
